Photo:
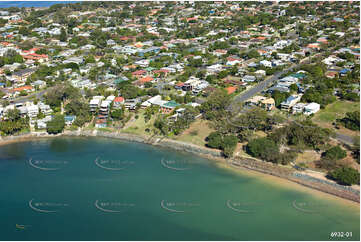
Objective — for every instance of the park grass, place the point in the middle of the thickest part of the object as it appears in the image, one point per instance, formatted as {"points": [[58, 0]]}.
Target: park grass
{"points": [[308, 158], [196, 133], [138, 126], [260, 134], [335, 111]]}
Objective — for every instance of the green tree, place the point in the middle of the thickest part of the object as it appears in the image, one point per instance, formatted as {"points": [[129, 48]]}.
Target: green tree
{"points": [[13, 122], [279, 97], [216, 105], [214, 140], [294, 88], [229, 145], [149, 112], [117, 114], [346, 176], [334, 153], [63, 36], [252, 54], [263, 148], [226, 143], [351, 120], [56, 125]]}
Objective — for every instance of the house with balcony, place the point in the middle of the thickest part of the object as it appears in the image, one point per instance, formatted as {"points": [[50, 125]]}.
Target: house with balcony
{"points": [[94, 104], [298, 108], [290, 102], [22, 75], [168, 107]]}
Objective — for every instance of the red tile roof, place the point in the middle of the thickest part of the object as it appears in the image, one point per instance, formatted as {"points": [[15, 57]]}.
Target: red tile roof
{"points": [[118, 99], [139, 72], [161, 71], [19, 89], [231, 90], [146, 79]]}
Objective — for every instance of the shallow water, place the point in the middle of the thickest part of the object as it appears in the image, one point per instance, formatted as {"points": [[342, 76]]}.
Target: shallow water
{"points": [[104, 189]]}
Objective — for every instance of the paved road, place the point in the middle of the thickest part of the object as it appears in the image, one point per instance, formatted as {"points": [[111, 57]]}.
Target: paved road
{"points": [[38, 95], [261, 86], [345, 138], [266, 83]]}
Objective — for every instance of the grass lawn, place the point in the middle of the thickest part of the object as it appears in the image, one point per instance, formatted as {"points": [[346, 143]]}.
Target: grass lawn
{"points": [[196, 133], [335, 110], [308, 158], [138, 126]]}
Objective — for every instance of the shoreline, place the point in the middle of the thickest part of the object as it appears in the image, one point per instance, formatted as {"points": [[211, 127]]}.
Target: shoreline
{"points": [[237, 163]]}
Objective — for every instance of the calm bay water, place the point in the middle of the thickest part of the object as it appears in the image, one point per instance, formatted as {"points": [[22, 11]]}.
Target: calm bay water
{"points": [[103, 189]]}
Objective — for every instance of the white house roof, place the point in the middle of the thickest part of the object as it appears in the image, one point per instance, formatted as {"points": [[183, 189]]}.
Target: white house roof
{"points": [[312, 106]]}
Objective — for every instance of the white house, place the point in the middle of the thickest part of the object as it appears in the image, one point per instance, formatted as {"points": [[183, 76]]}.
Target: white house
{"points": [[95, 103], [332, 60], [215, 68], [233, 61], [298, 108], [248, 78], [156, 100], [265, 63], [282, 44], [311, 108], [33, 111], [142, 63], [260, 73]]}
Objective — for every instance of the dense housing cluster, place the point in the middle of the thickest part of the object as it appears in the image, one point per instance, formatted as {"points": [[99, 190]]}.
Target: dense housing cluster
{"points": [[252, 73]]}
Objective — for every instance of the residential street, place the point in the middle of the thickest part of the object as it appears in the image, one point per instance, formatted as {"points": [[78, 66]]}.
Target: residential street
{"points": [[343, 138], [37, 95]]}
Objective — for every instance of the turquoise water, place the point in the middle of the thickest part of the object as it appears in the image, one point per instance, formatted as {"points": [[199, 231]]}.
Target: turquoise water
{"points": [[104, 189]]}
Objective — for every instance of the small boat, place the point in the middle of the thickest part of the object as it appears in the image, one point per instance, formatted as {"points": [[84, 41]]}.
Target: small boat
{"points": [[19, 226]]}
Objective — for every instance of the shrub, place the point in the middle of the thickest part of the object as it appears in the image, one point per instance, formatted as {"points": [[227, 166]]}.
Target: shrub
{"points": [[263, 148], [226, 143], [334, 153], [346, 176], [351, 120], [214, 140], [326, 164], [229, 144], [266, 149], [56, 125]]}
